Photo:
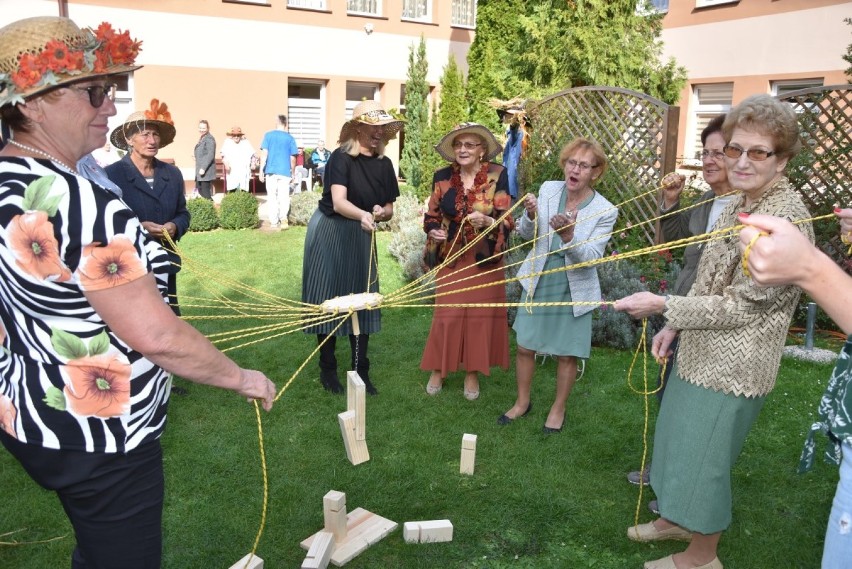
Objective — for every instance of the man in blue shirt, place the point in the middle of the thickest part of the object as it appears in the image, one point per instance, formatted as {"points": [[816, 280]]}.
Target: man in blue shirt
{"points": [[277, 162]]}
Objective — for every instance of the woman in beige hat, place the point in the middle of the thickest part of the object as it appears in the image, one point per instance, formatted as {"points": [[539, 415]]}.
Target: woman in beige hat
{"points": [[360, 187], [468, 198], [153, 189], [236, 158], [88, 343]]}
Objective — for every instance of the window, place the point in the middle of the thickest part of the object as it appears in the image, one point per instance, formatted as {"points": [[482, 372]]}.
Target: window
{"points": [[124, 103], [420, 10], [306, 111], [708, 101], [646, 7], [364, 7], [310, 4], [782, 88], [464, 13], [705, 3], [357, 92]]}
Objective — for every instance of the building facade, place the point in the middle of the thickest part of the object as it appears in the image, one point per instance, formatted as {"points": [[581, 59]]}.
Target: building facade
{"points": [[736, 48], [243, 62]]}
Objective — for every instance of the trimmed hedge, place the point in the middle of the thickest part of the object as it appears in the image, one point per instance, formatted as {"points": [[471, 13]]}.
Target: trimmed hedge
{"points": [[239, 211], [202, 214]]}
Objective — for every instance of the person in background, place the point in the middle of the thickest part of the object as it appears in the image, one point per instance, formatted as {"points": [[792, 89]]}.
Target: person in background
{"points": [[731, 338], [680, 223], [573, 222], [237, 152], [153, 189], [319, 158], [205, 160], [88, 340], [105, 155], [340, 252], [277, 163], [468, 197], [781, 256]]}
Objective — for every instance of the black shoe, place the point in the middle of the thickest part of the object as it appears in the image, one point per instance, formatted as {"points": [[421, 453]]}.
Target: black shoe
{"points": [[371, 389], [551, 431], [505, 419], [654, 507], [330, 381], [179, 390]]}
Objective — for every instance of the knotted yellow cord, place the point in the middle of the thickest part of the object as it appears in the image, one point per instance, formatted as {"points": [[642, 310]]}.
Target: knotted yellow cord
{"points": [[308, 315], [747, 252]]}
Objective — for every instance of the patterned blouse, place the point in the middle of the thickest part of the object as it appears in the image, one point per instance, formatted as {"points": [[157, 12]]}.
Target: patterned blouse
{"points": [[835, 412], [66, 381]]}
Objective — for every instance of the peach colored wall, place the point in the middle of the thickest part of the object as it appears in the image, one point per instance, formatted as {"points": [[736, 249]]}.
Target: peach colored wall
{"points": [[684, 12]]}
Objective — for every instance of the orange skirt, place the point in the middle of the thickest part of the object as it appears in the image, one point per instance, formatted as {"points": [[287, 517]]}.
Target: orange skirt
{"points": [[473, 339]]}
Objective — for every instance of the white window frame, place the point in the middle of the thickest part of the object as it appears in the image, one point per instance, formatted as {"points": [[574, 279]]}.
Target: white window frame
{"points": [[789, 85], [364, 7], [352, 103], [706, 3], [258, 2], [307, 4], [318, 105], [718, 100], [419, 10], [465, 8]]}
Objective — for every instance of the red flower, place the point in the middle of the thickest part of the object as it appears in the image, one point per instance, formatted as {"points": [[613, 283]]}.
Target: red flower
{"points": [[122, 49], [98, 386], [30, 72], [111, 265], [57, 57], [104, 32]]}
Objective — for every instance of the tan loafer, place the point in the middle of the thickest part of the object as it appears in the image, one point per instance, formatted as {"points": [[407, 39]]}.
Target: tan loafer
{"points": [[649, 532], [668, 563]]}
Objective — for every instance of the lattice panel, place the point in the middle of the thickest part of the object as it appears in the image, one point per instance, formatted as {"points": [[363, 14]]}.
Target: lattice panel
{"points": [[638, 134], [822, 172]]}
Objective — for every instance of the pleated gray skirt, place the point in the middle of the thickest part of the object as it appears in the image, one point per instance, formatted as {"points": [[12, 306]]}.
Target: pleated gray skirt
{"points": [[337, 262]]}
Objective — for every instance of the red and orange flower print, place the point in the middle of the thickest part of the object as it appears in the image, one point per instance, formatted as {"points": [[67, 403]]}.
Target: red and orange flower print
{"points": [[98, 386], [111, 265], [8, 414], [35, 248]]}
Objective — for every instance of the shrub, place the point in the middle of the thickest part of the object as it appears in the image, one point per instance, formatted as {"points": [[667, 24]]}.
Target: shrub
{"points": [[202, 214], [406, 246], [239, 211], [302, 207]]}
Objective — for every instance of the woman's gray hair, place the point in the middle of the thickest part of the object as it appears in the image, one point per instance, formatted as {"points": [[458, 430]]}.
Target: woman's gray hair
{"points": [[770, 117]]}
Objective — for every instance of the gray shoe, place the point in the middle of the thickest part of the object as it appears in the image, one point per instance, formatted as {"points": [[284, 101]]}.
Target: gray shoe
{"points": [[643, 478], [655, 509]]}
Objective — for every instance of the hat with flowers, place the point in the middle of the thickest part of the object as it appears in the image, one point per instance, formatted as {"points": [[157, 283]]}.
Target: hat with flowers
{"points": [[41, 53], [157, 115]]}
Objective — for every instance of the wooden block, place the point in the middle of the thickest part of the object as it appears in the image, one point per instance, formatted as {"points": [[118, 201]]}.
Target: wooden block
{"points": [[356, 451], [319, 553], [334, 514], [363, 529], [435, 531], [468, 454], [248, 562], [356, 400]]}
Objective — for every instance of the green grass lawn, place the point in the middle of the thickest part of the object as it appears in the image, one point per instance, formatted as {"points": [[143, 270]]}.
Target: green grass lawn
{"points": [[535, 501]]}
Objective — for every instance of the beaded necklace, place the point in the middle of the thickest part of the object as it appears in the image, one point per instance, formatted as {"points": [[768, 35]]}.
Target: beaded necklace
{"points": [[465, 201], [43, 154]]}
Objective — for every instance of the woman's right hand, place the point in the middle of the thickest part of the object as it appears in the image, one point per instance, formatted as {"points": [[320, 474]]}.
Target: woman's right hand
{"points": [[368, 224], [438, 235], [661, 345], [255, 385], [672, 187]]}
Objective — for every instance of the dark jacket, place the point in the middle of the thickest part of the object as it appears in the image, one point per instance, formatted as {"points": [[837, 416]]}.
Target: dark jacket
{"points": [[205, 158]]}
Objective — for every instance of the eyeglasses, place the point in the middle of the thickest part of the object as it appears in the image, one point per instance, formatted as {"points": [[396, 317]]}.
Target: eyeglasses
{"points": [[756, 154], [714, 154], [466, 145], [97, 93], [582, 165]]}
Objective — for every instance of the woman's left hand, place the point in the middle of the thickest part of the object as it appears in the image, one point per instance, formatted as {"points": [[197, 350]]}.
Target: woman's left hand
{"points": [[368, 224], [479, 220], [641, 304], [563, 224], [378, 213]]}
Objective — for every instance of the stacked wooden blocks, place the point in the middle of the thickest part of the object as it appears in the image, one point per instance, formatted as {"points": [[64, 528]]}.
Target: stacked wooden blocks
{"points": [[353, 421]]}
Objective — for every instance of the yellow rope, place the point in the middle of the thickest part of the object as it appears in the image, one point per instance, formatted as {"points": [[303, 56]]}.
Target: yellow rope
{"points": [[747, 252], [264, 471]]}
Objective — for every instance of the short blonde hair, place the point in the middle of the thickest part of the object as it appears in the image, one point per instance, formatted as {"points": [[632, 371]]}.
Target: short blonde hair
{"points": [[584, 144], [770, 117]]}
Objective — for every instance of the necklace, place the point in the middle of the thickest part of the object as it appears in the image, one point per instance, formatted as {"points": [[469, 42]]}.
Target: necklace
{"points": [[43, 154]]}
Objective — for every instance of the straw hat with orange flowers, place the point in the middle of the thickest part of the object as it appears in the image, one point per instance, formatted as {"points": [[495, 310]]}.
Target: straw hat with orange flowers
{"points": [[42, 53], [157, 115]]}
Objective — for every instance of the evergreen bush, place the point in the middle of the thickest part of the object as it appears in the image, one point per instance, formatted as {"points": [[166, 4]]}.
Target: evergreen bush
{"points": [[239, 211], [202, 214], [302, 207]]}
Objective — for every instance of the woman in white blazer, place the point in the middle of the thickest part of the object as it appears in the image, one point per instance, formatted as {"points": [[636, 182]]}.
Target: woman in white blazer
{"points": [[572, 223]]}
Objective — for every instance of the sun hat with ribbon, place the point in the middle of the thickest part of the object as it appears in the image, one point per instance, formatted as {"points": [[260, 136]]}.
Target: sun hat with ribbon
{"points": [[41, 53], [157, 115], [370, 113], [235, 131], [445, 146]]}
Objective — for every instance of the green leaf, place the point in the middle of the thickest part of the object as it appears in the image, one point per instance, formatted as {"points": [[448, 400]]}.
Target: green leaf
{"points": [[50, 205], [99, 344], [67, 345], [55, 398], [37, 192]]}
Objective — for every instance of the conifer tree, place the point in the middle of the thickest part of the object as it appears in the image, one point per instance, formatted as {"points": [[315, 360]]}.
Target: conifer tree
{"points": [[416, 115]]}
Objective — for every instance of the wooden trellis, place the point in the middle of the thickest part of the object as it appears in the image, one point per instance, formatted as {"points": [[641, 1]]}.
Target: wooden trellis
{"points": [[638, 134], [822, 172]]}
